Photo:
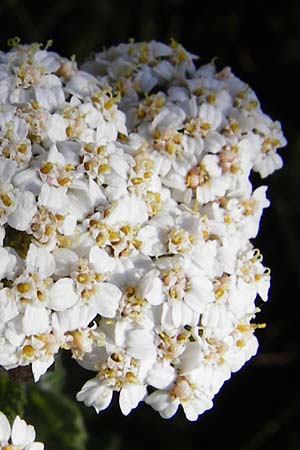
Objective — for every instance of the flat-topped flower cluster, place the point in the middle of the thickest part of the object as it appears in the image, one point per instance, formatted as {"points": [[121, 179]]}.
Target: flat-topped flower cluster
{"points": [[126, 215]]}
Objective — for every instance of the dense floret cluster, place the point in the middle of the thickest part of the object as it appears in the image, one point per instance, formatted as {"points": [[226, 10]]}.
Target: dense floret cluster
{"points": [[126, 215]]}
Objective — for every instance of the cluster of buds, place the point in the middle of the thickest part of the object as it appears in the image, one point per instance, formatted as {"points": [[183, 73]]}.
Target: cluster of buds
{"points": [[126, 219]]}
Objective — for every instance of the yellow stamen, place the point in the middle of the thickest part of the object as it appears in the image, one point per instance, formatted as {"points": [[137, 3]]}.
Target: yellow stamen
{"points": [[136, 180], [23, 287], [130, 377], [28, 351], [220, 291], [63, 181], [46, 168], [40, 295], [6, 200], [240, 343], [205, 126], [22, 148], [103, 168], [83, 278]]}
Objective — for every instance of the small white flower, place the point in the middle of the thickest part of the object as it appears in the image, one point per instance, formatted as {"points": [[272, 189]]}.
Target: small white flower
{"points": [[95, 394], [62, 294], [20, 435]]}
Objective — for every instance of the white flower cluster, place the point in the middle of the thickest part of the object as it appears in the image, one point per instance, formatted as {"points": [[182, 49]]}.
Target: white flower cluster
{"points": [[18, 437], [126, 215]]}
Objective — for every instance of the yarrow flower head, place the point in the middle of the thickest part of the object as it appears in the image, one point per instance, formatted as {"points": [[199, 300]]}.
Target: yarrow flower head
{"points": [[19, 436], [126, 219]]}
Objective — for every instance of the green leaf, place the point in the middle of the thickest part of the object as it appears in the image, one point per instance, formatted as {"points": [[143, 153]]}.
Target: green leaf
{"points": [[57, 419], [12, 397]]}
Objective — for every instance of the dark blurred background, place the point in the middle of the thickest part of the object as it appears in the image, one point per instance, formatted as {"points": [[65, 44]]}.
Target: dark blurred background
{"points": [[259, 408]]}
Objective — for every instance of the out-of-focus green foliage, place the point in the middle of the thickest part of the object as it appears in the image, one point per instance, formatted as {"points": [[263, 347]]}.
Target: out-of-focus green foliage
{"points": [[18, 241], [12, 397], [56, 417]]}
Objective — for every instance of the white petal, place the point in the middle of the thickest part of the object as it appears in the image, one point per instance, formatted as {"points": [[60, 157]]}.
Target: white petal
{"points": [[93, 359], [170, 117], [106, 132], [64, 261], [68, 225], [25, 210], [70, 150], [145, 79], [190, 358], [21, 433], [200, 294], [56, 128], [263, 287], [161, 401], [96, 194], [40, 260], [140, 344], [2, 235], [36, 446], [151, 288], [7, 169], [161, 376], [35, 320], [128, 209], [152, 241], [41, 367], [166, 317], [8, 306], [78, 316], [14, 331], [7, 264], [93, 393], [4, 429], [45, 98], [54, 198], [194, 408], [177, 313], [165, 69], [55, 156], [107, 299], [101, 261], [28, 180], [80, 202], [130, 396], [158, 400], [63, 295]]}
